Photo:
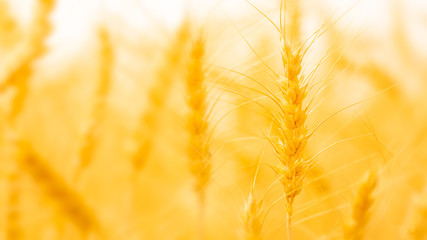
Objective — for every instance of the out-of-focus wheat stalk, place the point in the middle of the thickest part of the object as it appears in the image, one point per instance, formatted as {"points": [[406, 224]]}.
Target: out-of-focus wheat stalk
{"points": [[417, 228], [33, 47], [159, 204], [68, 200], [17, 76], [199, 151], [158, 95], [361, 211], [106, 57]]}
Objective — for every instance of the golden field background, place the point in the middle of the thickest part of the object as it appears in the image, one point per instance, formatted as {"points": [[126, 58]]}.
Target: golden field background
{"points": [[96, 119]]}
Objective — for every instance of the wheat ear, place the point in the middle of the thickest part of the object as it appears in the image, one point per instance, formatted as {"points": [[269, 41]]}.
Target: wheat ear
{"points": [[157, 97], [252, 218], [199, 152], [355, 228], [68, 200], [292, 135], [34, 48], [9, 31], [106, 64], [290, 147]]}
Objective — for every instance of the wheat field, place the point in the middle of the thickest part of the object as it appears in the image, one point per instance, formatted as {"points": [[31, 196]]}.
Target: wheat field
{"points": [[215, 119]]}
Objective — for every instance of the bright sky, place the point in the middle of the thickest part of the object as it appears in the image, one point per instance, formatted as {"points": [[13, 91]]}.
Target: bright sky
{"points": [[75, 18]]}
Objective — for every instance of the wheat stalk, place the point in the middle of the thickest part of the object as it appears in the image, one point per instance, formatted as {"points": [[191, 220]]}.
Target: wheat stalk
{"points": [[33, 47], [355, 228]]}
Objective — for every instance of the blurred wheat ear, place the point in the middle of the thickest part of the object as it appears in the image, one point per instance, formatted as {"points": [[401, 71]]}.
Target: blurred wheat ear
{"points": [[157, 96], [103, 89], [30, 48], [252, 218], [253, 215], [199, 150], [65, 197], [355, 228], [33, 47]]}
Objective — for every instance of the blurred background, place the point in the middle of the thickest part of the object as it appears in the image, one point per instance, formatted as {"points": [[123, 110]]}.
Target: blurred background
{"points": [[95, 113]]}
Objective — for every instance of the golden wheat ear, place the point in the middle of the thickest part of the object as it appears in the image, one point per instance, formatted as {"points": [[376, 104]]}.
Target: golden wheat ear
{"points": [[361, 211], [158, 95], [34, 47], [252, 218], [198, 125], [68, 201], [291, 142], [103, 89]]}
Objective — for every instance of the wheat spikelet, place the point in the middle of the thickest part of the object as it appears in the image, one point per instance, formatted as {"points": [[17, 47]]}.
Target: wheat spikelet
{"points": [[157, 97], [199, 152], [252, 219], [197, 125], [253, 216], [355, 228], [69, 202], [101, 96]]}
